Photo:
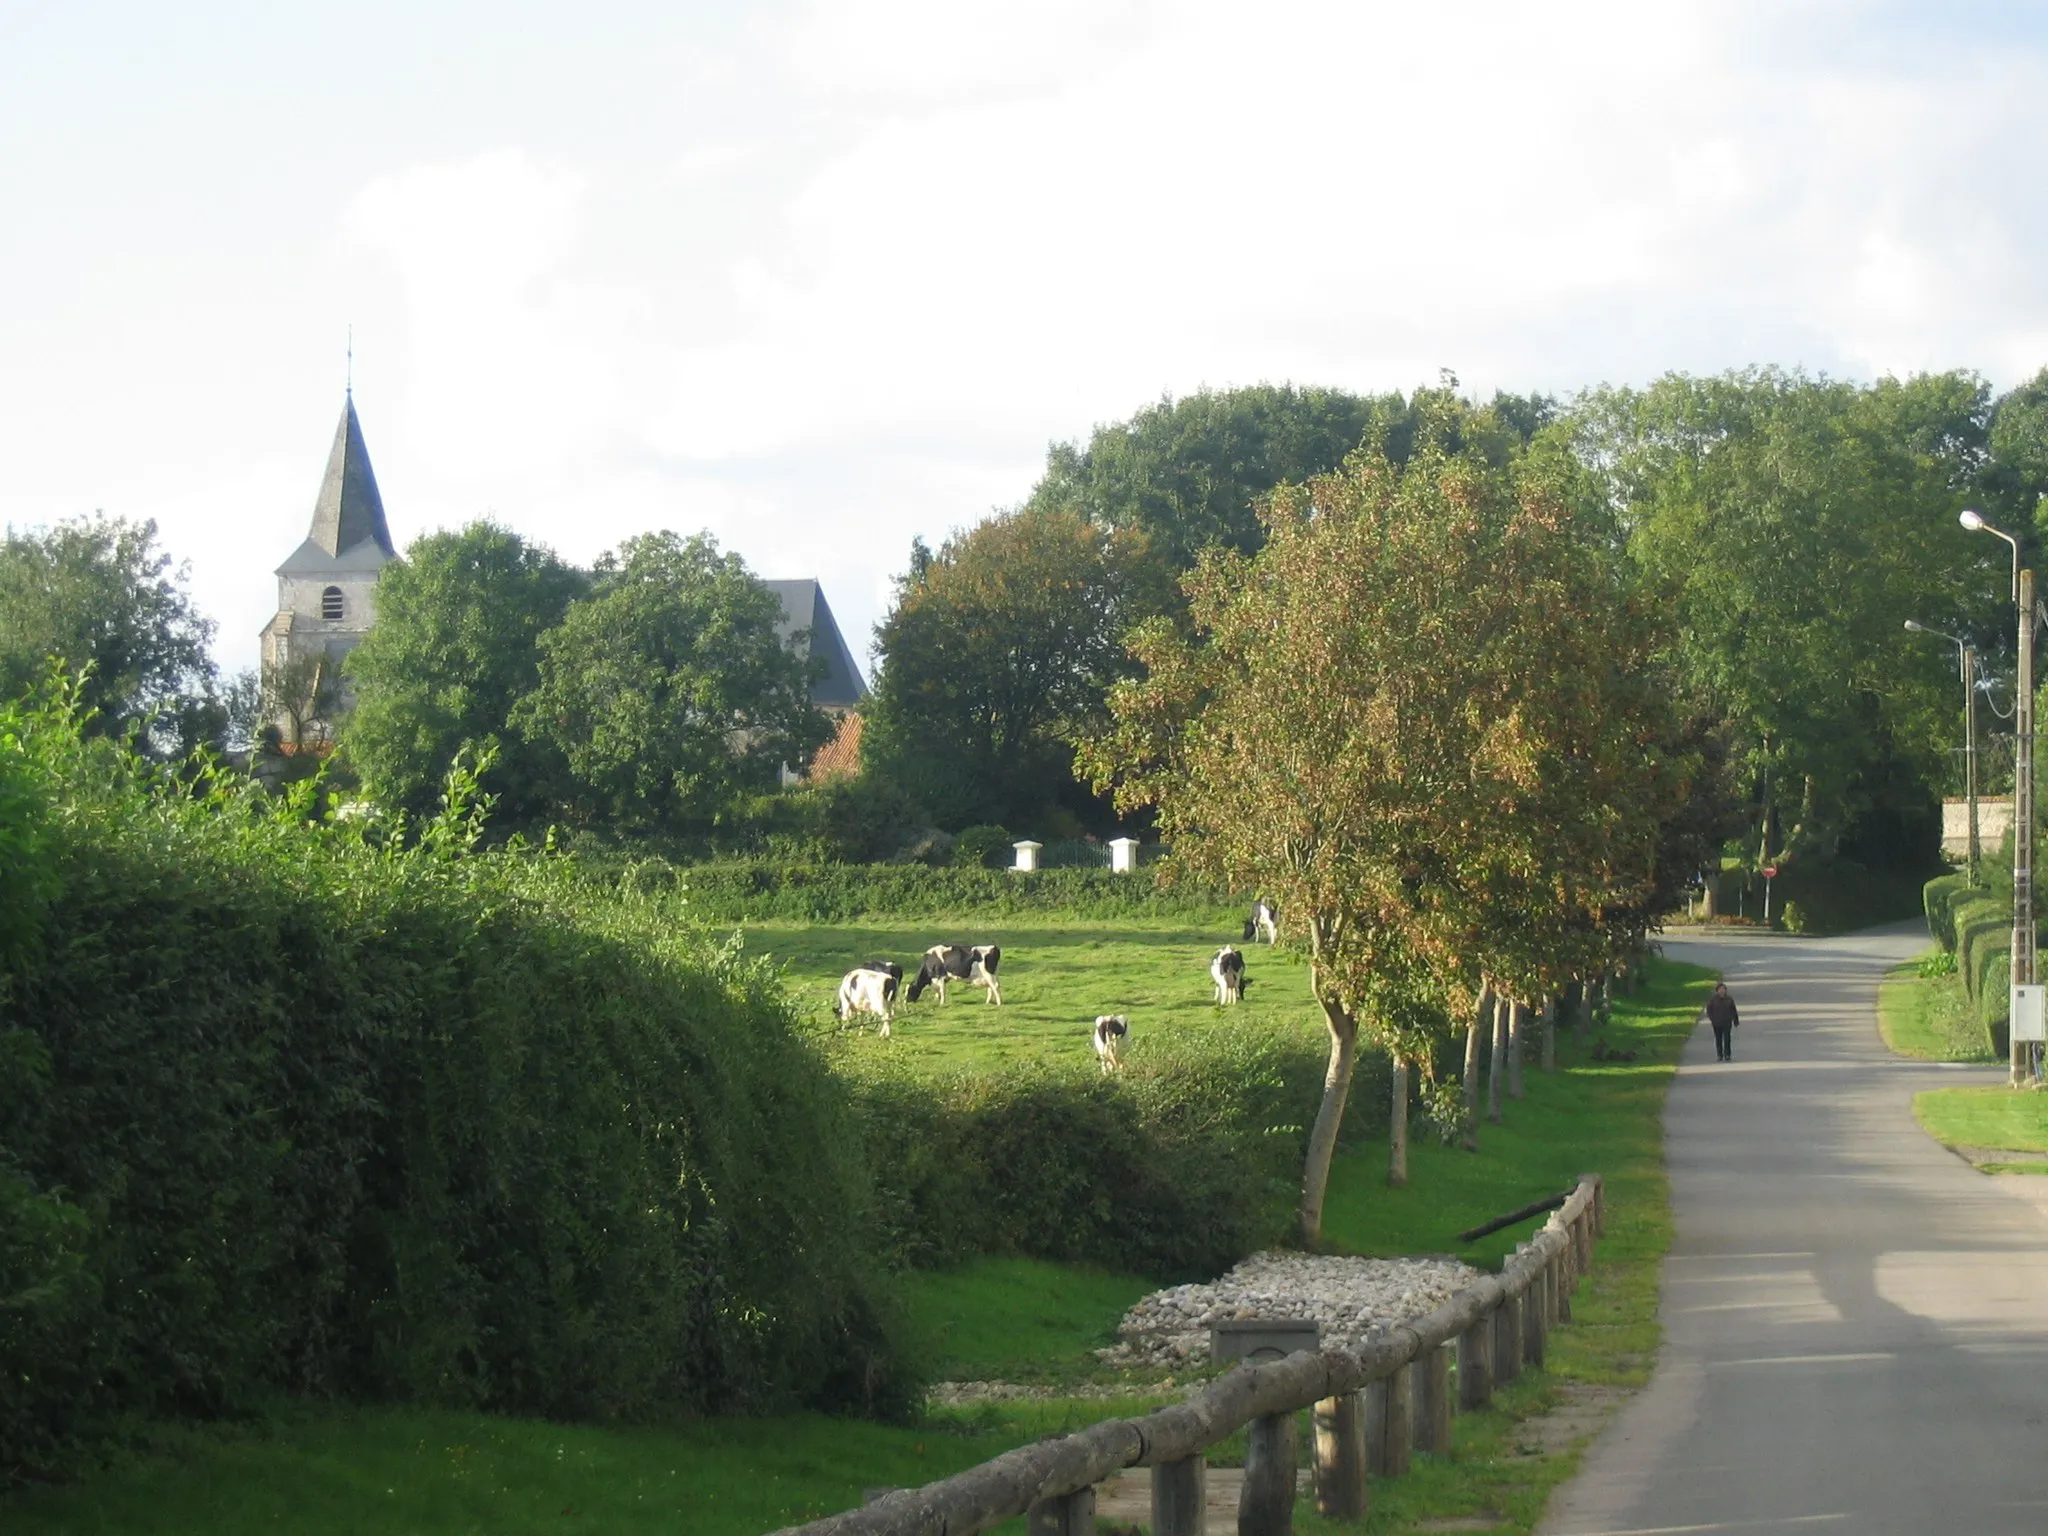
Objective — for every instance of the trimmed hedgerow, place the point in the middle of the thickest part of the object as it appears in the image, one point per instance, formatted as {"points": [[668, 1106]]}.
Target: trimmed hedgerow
{"points": [[288, 1109], [1938, 898], [752, 890]]}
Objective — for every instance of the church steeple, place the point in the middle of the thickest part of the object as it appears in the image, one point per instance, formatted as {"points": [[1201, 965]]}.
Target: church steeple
{"points": [[349, 510]]}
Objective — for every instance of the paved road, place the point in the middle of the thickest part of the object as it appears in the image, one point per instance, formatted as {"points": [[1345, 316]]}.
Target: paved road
{"points": [[1855, 1321]]}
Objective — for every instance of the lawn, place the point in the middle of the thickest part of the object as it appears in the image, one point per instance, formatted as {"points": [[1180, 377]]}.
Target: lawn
{"points": [[1923, 1011], [1985, 1117], [351, 1470]]}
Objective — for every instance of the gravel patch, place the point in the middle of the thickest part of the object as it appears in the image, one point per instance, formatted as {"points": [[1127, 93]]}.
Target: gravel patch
{"points": [[1350, 1298]]}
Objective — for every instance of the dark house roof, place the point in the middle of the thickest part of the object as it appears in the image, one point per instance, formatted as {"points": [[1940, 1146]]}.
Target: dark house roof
{"points": [[804, 607], [349, 513]]}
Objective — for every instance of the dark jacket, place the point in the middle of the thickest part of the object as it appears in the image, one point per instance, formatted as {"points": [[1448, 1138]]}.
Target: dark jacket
{"points": [[1721, 1011]]}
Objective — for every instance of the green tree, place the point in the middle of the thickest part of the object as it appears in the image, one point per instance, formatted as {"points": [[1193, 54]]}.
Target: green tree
{"points": [[455, 647], [1363, 722], [668, 691], [1791, 524], [999, 650], [97, 596], [1189, 473]]}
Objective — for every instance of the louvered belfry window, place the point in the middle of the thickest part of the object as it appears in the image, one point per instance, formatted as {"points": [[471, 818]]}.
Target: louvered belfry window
{"points": [[330, 603]]}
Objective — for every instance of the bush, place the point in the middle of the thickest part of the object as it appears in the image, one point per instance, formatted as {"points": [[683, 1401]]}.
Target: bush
{"points": [[1841, 895], [1938, 897], [1175, 1170], [984, 847], [751, 890], [289, 1111]]}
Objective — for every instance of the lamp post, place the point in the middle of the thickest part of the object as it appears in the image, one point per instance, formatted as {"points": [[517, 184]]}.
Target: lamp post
{"points": [[1966, 658], [2018, 1066]]}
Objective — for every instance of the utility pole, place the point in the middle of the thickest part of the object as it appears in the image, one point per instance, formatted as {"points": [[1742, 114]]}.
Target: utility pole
{"points": [[2022, 1063], [1970, 753]]}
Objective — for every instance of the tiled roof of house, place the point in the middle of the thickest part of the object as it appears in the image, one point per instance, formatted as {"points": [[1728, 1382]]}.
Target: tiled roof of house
{"points": [[839, 758]]}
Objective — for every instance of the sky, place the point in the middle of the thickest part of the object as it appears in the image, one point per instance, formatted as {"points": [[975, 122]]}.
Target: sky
{"points": [[819, 278]]}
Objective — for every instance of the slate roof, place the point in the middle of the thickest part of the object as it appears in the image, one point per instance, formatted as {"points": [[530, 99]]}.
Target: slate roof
{"points": [[804, 607], [349, 532]]}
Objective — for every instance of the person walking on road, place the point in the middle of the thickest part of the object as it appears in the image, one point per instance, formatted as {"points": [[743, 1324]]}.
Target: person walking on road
{"points": [[1722, 1015]]}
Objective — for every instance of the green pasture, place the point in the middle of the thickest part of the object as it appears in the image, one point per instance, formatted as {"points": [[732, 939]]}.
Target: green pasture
{"points": [[1923, 1012], [376, 1469], [1057, 975]]}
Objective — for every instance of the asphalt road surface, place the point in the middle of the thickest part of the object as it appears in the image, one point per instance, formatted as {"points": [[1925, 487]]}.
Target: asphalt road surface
{"points": [[1855, 1321]]}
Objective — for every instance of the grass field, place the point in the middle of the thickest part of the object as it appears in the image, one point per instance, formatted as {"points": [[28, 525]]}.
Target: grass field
{"points": [[1056, 975], [410, 1470], [1929, 1016]]}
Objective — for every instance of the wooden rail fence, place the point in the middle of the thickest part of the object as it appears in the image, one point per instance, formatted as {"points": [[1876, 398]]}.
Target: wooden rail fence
{"points": [[1371, 1405]]}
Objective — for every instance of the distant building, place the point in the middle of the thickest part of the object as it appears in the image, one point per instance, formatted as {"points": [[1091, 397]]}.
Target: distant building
{"points": [[804, 607], [327, 592], [327, 603]]}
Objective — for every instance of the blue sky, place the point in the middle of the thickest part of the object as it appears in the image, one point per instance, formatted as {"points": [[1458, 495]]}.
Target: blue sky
{"points": [[822, 277]]}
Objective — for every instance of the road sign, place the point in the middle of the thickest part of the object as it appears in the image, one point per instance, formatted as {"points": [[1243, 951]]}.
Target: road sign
{"points": [[1770, 871]]}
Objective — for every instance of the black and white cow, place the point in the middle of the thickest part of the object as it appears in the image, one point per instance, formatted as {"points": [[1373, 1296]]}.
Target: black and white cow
{"points": [[1227, 971], [870, 989], [1111, 1030], [974, 963], [1265, 920]]}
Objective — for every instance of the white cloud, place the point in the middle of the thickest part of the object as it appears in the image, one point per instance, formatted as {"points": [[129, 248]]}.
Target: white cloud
{"points": [[847, 277]]}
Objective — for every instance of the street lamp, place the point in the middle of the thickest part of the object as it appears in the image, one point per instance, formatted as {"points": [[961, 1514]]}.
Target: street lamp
{"points": [[1966, 657], [2022, 788]]}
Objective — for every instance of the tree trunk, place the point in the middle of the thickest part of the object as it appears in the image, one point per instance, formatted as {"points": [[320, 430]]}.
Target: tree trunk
{"points": [[1470, 1084], [1322, 1138], [1496, 1059], [1578, 1009], [1550, 1033], [1397, 1128], [1518, 1026]]}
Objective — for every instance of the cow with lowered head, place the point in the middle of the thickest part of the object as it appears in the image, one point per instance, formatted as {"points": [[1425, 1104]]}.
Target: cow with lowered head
{"points": [[1111, 1030], [1263, 923], [972, 963]]}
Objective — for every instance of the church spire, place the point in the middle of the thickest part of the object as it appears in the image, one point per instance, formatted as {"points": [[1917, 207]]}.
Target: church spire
{"points": [[349, 510]]}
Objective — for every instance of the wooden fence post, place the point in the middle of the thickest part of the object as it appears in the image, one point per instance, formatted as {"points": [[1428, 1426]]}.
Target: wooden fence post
{"points": [[1534, 1324], [1266, 1506], [1387, 1426], [1507, 1341], [1475, 1365], [1431, 1392], [1071, 1514], [1180, 1494], [1342, 1458]]}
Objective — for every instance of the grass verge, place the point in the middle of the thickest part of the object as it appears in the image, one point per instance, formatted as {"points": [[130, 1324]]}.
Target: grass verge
{"points": [[352, 1470], [1980, 1122], [1927, 1015]]}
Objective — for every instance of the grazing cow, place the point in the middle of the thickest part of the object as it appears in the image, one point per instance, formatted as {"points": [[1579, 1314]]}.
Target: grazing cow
{"points": [[870, 989], [1110, 1032], [975, 963], [1227, 970], [1265, 919]]}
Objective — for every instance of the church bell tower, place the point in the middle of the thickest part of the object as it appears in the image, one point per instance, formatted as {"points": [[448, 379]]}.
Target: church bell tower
{"points": [[326, 593]]}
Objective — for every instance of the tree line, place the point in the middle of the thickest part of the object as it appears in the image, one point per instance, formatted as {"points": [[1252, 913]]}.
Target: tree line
{"points": [[1784, 524]]}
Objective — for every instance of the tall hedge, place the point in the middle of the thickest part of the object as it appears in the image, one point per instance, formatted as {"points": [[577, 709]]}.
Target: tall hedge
{"points": [[287, 1109]]}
